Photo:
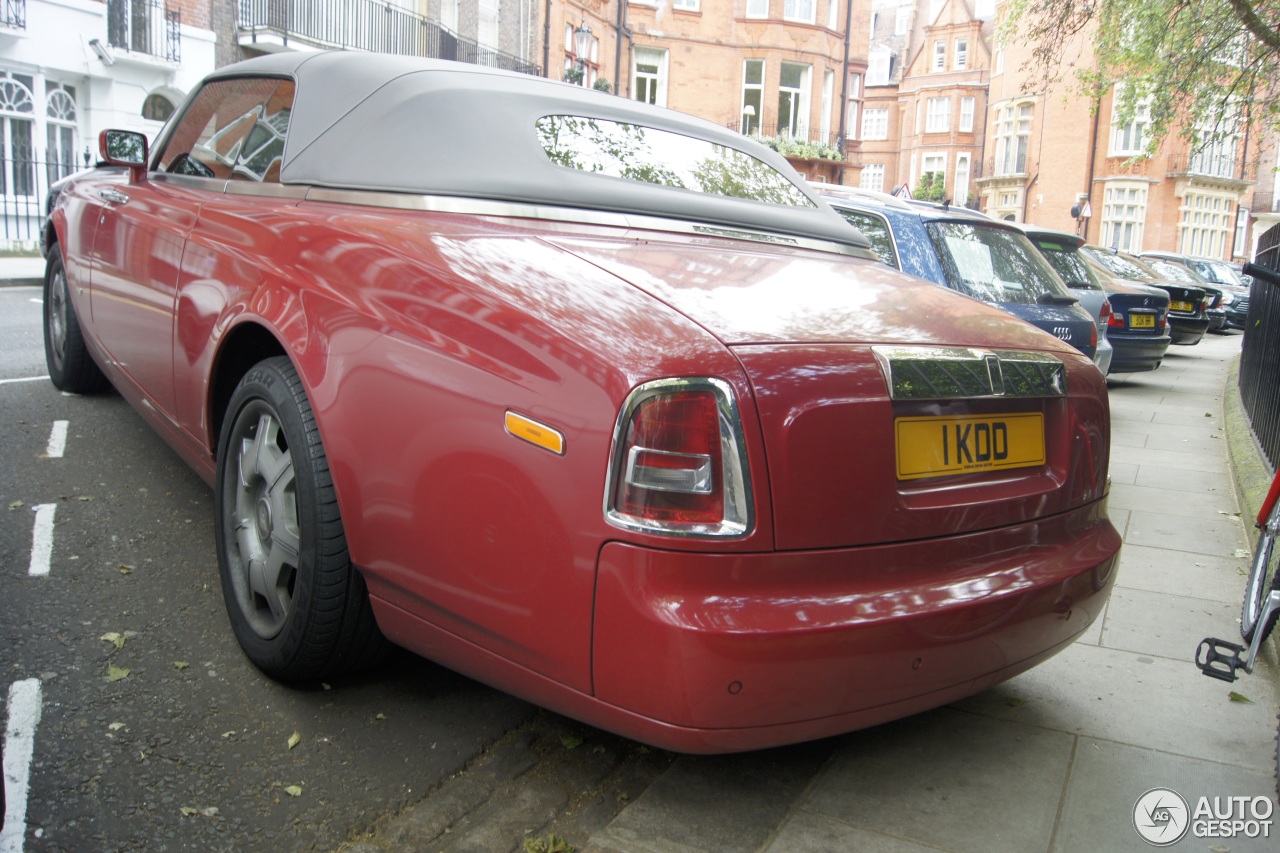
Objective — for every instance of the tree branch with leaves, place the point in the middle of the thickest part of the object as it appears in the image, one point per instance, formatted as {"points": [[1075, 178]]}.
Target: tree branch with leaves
{"points": [[1201, 66]]}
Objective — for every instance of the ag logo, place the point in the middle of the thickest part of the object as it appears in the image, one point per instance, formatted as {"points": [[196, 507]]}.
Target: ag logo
{"points": [[1161, 817]]}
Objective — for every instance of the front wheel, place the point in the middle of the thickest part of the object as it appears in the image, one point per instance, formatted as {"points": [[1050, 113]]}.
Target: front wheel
{"points": [[1263, 578], [71, 368], [298, 607]]}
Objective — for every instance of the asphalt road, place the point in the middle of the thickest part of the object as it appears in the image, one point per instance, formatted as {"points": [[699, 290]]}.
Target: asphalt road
{"points": [[147, 727]]}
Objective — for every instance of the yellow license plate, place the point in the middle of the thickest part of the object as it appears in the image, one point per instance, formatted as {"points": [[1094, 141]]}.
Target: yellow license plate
{"points": [[1142, 321], [1178, 305], [938, 446]]}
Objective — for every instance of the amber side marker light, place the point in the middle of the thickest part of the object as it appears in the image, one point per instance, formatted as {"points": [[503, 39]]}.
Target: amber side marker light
{"points": [[535, 433]]}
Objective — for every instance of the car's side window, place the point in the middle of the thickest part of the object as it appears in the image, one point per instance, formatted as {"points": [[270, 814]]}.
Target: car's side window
{"points": [[876, 230], [233, 128]]}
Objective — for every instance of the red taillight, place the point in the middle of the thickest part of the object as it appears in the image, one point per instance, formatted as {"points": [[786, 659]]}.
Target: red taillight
{"points": [[673, 467], [1107, 317], [679, 465]]}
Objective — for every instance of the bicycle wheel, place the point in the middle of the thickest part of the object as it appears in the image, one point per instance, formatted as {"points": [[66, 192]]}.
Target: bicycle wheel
{"points": [[1262, 580]]}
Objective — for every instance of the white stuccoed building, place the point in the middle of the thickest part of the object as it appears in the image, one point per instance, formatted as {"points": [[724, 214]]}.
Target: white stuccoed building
{"points": [[70, 69]]}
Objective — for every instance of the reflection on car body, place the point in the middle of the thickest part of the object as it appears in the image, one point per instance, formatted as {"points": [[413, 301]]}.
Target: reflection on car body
{"points": [[651, 440]]}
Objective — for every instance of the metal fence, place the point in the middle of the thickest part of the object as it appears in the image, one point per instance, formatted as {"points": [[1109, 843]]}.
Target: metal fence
{"points": [[368, 25], [13, 14], [24, 184], [1260, 352], [145, 27]]}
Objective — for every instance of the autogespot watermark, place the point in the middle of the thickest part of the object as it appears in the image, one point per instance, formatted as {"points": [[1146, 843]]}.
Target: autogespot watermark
{"points": [[1162, 817]]}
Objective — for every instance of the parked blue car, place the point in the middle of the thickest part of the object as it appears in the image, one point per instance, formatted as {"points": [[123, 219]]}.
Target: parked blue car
{"points": [[984, 258]]}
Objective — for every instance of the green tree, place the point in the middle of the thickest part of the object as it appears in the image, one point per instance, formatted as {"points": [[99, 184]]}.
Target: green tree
{"points": [[1201, 65], [930, 187]]}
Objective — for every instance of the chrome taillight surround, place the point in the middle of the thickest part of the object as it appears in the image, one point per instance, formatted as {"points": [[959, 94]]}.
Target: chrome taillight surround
{"points": [[738, 517]]}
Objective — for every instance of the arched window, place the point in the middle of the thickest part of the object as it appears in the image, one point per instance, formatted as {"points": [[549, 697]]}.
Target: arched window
{"points": [[17, 125], [60, 129], [157, 107]]}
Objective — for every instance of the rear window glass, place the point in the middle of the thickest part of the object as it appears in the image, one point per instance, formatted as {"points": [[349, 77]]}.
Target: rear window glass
{"points": [[876, 230], [646, 155], [993, 264], [1122, 267], [1174, 272], [1068, 263]]}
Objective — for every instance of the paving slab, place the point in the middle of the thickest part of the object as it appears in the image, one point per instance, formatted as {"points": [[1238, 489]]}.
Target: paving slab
{"points": [[1185, 493], [1162, 624], [1195, 460], [806, 832], [1213, 577], [1144, 701], [1108, 778], [946, 778], [1212, 536]]}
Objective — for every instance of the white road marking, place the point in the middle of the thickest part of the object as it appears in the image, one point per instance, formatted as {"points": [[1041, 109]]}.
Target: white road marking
{"points": [[23, 379], [57, 440], [19, 746], [36, 301], [42, 540]]}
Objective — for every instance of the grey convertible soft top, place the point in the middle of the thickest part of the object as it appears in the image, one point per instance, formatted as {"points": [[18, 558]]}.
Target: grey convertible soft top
{"points": [[377, 122]]}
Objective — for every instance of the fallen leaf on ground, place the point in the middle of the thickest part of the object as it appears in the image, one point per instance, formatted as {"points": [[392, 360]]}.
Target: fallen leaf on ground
{"points": [[293, 790], [294, 740], [571, 741], [180, 664], [1239, 697], [116, 673], [116, 639], [16, 504]]}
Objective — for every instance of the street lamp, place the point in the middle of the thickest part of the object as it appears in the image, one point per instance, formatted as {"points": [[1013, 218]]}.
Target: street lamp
{"points": [[582, 40]]}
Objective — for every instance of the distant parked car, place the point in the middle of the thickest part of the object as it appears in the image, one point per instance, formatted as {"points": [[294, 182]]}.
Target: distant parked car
{"points": [[1188, 321], [1136, 317], [590, 400], [969, 252], [1176, 267]]}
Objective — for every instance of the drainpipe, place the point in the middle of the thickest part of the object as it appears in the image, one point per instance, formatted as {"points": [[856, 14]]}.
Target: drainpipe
{"points": [[1093, 153], [1026, 195], [546, 41], [841, 141], [621, 29]]}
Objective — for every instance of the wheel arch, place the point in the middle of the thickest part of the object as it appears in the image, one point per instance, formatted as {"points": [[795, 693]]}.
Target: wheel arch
{"points": [[242, 348]]}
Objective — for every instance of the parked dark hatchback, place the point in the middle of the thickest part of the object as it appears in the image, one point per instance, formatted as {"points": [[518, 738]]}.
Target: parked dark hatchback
{"points": [[980, 257], [1188, 321], [1217, 299], [1138, 323]]}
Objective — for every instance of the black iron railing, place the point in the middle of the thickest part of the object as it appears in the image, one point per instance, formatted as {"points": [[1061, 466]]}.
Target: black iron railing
{"points": [[13, 14], [368, 25], [145, 27], [1260, 352], [24, 187]]}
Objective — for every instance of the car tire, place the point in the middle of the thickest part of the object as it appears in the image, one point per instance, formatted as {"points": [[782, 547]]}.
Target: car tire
{"points": [[299, 609], [70, 366]]}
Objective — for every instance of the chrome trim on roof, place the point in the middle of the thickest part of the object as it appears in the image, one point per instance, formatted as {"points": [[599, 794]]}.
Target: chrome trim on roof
{"points": [[549, 213]]}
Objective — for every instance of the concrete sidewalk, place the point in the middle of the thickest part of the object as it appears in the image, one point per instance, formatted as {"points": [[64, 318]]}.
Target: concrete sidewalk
{"points": [[22, 271], [1056, 759]]}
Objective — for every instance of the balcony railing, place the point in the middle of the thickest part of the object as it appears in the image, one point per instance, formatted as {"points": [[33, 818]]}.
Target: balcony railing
{"points": [[1265, 202], [13, 14], [1209, 164], [801, 142], [368, 25], [145, 27]]}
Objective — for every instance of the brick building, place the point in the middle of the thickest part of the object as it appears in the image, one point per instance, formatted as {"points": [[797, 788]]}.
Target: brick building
{"points": [[774, 69], [1059, 159]]}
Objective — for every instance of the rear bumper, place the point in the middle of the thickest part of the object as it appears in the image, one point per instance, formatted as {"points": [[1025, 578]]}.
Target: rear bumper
{"points": [[1135, 353], [1187, 330], [708, 652]]}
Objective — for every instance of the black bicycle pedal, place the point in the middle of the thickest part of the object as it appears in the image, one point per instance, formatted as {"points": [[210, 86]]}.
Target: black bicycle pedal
{"points": [[1219, 659]]}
